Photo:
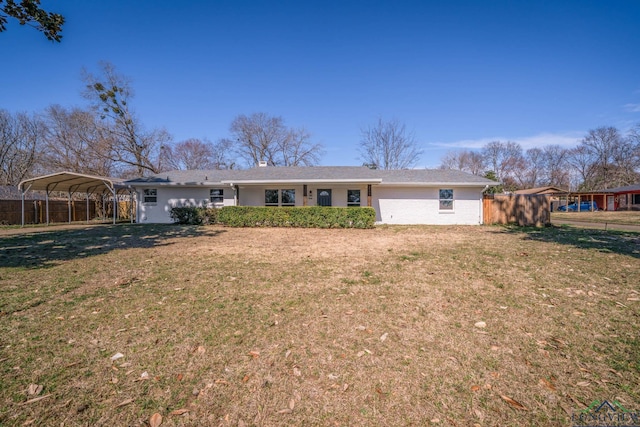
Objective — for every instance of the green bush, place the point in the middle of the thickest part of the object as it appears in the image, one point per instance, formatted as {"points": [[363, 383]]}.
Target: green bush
{"points": [[192, 215], [304, 217]]}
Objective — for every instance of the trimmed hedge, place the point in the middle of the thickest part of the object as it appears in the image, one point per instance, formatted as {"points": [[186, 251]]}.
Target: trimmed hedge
{"points": [[192, 215], [259, 216], [304, 217]]}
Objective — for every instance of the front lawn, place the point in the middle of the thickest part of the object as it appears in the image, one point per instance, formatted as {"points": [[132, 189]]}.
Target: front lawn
{"points": [[391, 326]]}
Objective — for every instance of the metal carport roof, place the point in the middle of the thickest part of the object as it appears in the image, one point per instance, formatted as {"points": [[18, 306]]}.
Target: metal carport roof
{"points": [[71, 183]]}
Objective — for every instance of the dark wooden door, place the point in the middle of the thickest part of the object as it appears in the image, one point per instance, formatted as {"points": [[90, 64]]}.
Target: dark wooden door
{"points": [[324, 197]]}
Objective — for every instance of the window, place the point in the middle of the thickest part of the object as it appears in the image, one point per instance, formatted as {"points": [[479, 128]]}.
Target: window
{"points": [[635, 199], [446, 199], [288, 197], [280, 197], [353, 197], [271, 197], [216, 195], [150, 195]]}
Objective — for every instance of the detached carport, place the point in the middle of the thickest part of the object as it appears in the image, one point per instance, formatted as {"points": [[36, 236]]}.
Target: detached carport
{"points": [[72, 183]]}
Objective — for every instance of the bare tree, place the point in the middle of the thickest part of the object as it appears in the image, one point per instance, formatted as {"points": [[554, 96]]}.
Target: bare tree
{"points": [[388, 145], [504, 158], [601, 143], [296, 149], [20, 137], [582, 162], [556, 166], [260, 137], [615, 159], [529, 169], [194, 154], [135, 148], [75, 141], [464, 160]]}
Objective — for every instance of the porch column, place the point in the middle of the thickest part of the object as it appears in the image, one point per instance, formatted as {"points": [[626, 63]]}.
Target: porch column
{"points": [[304, 195], [369, 195]]}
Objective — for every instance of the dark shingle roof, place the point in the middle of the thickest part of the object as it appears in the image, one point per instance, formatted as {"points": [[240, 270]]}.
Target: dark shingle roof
{"points": [[260, 175], [626, 188]]}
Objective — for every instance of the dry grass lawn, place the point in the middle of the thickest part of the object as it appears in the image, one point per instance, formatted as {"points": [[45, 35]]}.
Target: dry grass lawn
{"points": [[395, 326], [611, 217]]}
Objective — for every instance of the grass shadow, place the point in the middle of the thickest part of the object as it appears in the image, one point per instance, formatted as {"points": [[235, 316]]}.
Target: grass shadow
{"points": [[618, 242], [48, 248]]}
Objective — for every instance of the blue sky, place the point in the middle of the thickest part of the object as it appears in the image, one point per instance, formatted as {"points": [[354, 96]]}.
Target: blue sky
{"points": [[457, 73]]}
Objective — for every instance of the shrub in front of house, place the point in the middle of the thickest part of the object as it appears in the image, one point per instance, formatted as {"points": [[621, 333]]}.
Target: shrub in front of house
{"points": [[303, 217], [192, 215]]}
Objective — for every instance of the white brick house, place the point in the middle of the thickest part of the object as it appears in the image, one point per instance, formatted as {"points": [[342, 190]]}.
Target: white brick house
{"points": [[413, 196]]}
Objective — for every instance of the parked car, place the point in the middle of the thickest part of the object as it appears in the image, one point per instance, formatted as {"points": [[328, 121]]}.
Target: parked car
{"points": [[584, 207]]}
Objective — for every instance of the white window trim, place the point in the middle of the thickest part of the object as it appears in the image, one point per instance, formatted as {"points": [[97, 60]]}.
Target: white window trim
{"points": [[144, 196], [453, 202], [221, 202], [353, 204], [279, 191]]}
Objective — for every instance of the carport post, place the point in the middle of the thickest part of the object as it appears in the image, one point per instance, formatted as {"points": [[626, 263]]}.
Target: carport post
{"points": [[23, 191], [22, 221], [69, 206], [87, 199], [115, 204], [46, 198], [131, 205]]}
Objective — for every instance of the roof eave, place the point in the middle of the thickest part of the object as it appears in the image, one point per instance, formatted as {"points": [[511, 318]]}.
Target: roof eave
{"points": [[437, 184], [300, 181]]}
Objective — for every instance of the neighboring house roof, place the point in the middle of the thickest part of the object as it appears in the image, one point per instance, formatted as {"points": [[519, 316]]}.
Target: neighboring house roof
{"points": [[625, 189], [541, 190], [315, 174]]}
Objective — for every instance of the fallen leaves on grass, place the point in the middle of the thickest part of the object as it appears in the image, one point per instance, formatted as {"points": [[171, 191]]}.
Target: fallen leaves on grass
{"points": [[124, 403], [180, 411], [35, 399], [34, 389], [514, 403], [117, 356], [547, 384], [155, 420]]}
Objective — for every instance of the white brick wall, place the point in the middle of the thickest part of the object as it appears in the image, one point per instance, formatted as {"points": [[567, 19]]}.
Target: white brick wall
{"points": [[393, 205], [415, 205]]}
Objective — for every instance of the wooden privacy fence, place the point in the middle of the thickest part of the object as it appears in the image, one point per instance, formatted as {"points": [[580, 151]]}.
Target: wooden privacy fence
{"points": [[35, 211], [521, 209]]}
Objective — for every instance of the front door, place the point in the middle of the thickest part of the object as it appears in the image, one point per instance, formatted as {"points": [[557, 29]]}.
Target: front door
{"points": [[610, 203], [324, 197]]}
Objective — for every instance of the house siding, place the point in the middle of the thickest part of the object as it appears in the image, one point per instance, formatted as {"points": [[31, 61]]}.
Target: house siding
{"points": [[254, 195], [170, 197], [393, 205], [420, 205]]}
